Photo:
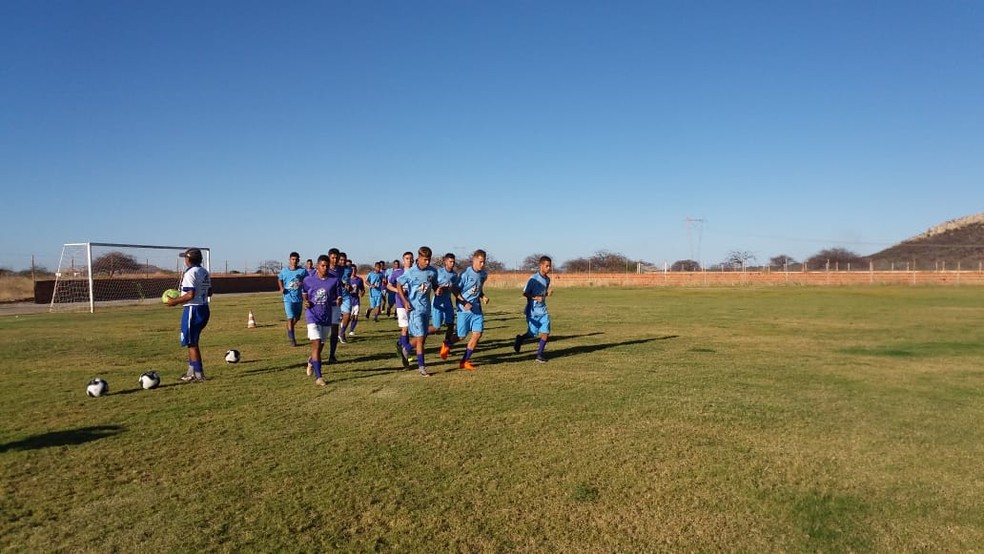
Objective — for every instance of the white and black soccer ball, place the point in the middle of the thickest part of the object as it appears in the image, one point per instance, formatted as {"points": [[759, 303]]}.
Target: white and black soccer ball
{"points": [[232, 357], [97, 387], [150, 380]]}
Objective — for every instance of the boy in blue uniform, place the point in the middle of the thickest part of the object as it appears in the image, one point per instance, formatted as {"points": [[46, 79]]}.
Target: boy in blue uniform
{"points": [[335, 271], [375, 283], [320, 297], [419, 280], [289, 281], [391, 295], [536, 291], [346, 307], [443, 311], [470, 297], [196, 287]]}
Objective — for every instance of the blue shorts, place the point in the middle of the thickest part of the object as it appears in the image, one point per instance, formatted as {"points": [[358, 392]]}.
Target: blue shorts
{"points": [[538, 324], [419, 322], [390, 297], [375, 298], [193, 320], [293, 309], [469, 322], [346, 305], [442, 316]]}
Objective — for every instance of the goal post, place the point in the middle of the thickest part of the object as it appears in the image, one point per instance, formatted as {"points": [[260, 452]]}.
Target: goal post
{"points": [[91, 273]]}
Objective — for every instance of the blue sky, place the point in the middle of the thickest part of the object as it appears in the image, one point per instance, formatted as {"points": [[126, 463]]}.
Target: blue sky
{"points": [[521, 127]]}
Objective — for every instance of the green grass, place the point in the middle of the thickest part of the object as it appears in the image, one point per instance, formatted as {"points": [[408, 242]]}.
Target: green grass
{"points": [[780, 419]]}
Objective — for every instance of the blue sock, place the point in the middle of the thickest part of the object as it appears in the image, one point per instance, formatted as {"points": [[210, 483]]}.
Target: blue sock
{"points": [[539, 350], [405, 341], [420, 360], [468, 353], [353, 322], [342, 332], [197, 367], [290, 335], [317, 368]]}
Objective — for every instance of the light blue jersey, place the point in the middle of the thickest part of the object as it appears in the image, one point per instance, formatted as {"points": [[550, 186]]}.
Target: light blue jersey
{"points": [[448, 280], [292, 279], [470, 284], [538, 285], [419, 283]]}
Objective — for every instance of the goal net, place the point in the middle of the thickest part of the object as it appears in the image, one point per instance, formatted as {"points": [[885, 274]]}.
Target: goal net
{"points": [[91, 273]]}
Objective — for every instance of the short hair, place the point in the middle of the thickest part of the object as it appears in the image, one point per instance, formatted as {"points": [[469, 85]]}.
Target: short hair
{"points": [[323, 258], [405, 254], [481, 253], [333, 251], [193, 255], [545, 259], [294, 255], [450, 256], [425, 251], [343, 255], [310, 261]]}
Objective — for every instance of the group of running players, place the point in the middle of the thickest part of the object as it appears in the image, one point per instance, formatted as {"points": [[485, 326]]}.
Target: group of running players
{"points": [[425, 299]]}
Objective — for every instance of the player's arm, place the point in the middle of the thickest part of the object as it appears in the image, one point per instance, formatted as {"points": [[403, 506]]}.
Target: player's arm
{"points": [[188, 295], [403, 298]]}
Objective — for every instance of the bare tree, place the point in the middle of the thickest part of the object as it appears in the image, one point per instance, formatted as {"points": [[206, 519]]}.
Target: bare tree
{"points": [[685, 265], [781, 260], [115, 263], [613, 262], [834, 258], [531, 262], [577, 265], [738, 259], [270, 266]]}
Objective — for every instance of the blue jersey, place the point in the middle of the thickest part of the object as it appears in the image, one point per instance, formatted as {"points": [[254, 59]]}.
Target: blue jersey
{"points": [[470, 283], [322, 294], [448, 280], [538, 285], [418, 284], [374, 280], [292, 280], [197, 280], [345, 275]]}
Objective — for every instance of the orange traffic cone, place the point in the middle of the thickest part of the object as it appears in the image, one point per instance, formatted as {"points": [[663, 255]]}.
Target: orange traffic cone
{"points": [[251, 323]]}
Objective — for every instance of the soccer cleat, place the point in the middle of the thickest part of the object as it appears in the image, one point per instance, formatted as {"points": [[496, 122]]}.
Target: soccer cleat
{"points": [[341, 338], [403, 355], [517, 343], [187, 378], [310, 368], [541, 359], [445, 350], [320, 382], [423, 372], [351, 333], [466, 365], [198, 378], [332, 360]]}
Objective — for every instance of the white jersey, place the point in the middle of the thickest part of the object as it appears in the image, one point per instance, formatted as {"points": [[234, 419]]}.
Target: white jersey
{"points": [[197, 279]]}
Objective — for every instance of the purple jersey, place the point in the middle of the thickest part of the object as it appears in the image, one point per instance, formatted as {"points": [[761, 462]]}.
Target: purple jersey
{"points": [[357, 285], [322, 294], [392, 280]]}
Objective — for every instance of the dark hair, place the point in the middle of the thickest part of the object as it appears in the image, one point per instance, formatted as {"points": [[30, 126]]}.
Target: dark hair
{"points": [[323, 258], [545, 259], [405, 255], [294, 255], [424, 251], [333, 251], [481, 253], [449, 256]]}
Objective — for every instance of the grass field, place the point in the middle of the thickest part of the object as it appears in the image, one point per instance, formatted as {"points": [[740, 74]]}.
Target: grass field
{"points": [[751, 420]]}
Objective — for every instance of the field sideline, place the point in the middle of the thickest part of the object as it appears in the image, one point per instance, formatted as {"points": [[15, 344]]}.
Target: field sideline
{"points": [[793, 419]]}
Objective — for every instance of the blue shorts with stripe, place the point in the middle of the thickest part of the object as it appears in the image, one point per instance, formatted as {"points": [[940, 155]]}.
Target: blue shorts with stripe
{"points": [[193, 320]]}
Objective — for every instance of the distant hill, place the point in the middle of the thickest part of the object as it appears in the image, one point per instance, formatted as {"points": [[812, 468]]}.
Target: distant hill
{"points": [[958, 240]]}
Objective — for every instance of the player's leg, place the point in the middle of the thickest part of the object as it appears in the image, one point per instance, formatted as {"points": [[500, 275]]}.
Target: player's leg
{"points": [[419, 322], [403, 347], [316, 334], [355, 318], [336, 316], [543, 332], [476, 324], [193, 321]]}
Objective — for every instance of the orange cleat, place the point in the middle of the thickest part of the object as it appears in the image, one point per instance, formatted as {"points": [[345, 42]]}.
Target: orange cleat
{"points": [[466, 365], [445, 350]]}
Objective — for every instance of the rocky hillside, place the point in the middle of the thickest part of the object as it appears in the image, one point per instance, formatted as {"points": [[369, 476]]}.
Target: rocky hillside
{"points": [[958, 240]]}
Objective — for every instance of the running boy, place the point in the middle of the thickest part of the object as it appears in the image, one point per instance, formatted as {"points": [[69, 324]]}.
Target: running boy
{"points": [[536, 291], [443, 311], [403, 343], [419, 280], [470, 299], [196, 286], [357, 289], [320, 294], [375, 283], [289, 281]]}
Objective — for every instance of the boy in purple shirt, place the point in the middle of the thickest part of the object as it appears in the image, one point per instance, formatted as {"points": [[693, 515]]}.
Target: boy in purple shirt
{"points": [[320, 294]]}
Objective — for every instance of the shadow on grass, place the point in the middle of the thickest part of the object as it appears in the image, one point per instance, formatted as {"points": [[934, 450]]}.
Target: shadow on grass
{"points": [[141, 389], [529, 347], [64, 438]]}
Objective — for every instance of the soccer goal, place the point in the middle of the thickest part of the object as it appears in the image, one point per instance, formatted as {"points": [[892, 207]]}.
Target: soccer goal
{"points": [[91, 273]]}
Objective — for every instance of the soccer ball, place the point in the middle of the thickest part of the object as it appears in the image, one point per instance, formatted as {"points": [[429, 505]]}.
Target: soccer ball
{"points": [[232, 357], [149, 380], [169, 294], [97, 387]]}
